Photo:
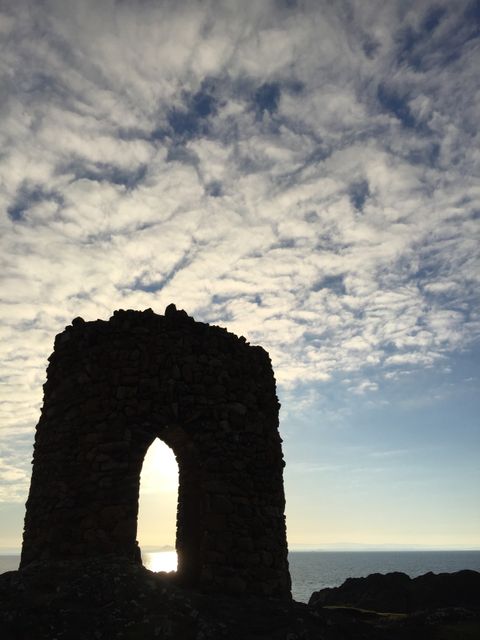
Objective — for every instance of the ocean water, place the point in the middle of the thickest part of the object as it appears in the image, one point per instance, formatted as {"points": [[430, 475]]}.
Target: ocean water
{"points": [[9, 563], [313, 570]]}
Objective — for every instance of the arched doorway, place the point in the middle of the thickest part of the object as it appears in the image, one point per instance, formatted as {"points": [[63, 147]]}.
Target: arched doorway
{"points": [[157, 508]]}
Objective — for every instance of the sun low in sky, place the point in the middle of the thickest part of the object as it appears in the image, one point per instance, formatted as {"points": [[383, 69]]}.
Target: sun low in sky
{"points": [[304, 173]]}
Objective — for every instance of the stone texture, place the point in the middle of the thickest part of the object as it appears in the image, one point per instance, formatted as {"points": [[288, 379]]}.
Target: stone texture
{"points": [[112, 388]]}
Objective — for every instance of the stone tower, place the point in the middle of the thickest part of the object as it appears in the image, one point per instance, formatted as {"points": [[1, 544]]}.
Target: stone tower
{"points": [[112, 388]]}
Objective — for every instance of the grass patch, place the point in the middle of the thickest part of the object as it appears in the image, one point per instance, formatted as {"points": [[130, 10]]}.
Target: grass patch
{"points": [[369, 612]]}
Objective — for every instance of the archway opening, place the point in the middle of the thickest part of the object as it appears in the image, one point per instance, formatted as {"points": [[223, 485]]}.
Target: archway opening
{"points": [[157, 508]]}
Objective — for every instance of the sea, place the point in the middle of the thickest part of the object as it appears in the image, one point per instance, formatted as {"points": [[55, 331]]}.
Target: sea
{"points": [[314, 570]]}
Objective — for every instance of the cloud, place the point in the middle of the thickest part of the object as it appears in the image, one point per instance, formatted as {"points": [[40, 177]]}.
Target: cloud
{"points": [[363, 387], [302, 173], [390, 453]]}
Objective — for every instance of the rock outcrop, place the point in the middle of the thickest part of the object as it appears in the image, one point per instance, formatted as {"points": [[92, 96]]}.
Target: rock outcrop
{"points": [[398, 593]]}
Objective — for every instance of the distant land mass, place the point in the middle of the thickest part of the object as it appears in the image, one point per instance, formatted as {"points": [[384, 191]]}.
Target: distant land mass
{"points": [[354, 546]]}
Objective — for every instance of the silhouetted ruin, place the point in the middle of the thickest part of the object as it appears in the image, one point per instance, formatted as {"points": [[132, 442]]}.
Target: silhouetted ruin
{"points": [[112, 388]]}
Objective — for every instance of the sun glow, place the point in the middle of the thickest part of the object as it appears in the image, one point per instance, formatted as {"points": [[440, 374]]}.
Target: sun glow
{"points": [[160, 561], [159, 471], [158, 498]]}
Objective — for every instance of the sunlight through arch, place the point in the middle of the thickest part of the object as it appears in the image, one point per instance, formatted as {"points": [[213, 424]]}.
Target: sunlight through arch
{"points": [[157, 509]]}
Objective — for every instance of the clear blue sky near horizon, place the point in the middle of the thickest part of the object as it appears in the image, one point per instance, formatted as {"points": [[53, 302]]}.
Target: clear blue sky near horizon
{"points": [[305, 174]]}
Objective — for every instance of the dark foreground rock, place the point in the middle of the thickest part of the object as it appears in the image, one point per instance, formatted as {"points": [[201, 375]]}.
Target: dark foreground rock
{"points": [[398, 593], [95, 600]]}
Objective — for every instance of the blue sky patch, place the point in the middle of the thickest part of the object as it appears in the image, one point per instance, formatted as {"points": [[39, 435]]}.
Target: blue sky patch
{"points": [[427, 155], [419, 48], [27, 196], [103, 172], [183, 123], [370, 47], [214, 189], [433, 18], [203, 104], [311, 216], [334, 283], [284, 243], [472, 13], [267, 97], [191, 119], [359, 193], [395, 104], [151, 287]]}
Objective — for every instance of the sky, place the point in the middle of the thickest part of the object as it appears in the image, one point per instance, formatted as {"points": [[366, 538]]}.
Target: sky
{"points": [[305, 174]]}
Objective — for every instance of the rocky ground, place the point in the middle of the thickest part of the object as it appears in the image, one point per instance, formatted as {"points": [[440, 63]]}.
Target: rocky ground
{"points": [[398, 593], [437, 606], [107, 600]]}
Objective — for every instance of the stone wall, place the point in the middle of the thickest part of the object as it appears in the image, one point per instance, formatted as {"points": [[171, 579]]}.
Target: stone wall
{"points": [[112, 388]]}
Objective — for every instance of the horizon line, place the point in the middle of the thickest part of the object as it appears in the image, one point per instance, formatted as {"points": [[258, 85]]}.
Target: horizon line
{"points": [[326, 547]]}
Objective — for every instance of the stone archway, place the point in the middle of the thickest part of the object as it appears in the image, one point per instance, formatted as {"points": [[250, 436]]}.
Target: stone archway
{"points": [[112, 388]]}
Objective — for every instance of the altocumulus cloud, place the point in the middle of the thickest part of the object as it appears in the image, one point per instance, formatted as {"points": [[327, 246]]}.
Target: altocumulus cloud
{"points": [[303, 172]]}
